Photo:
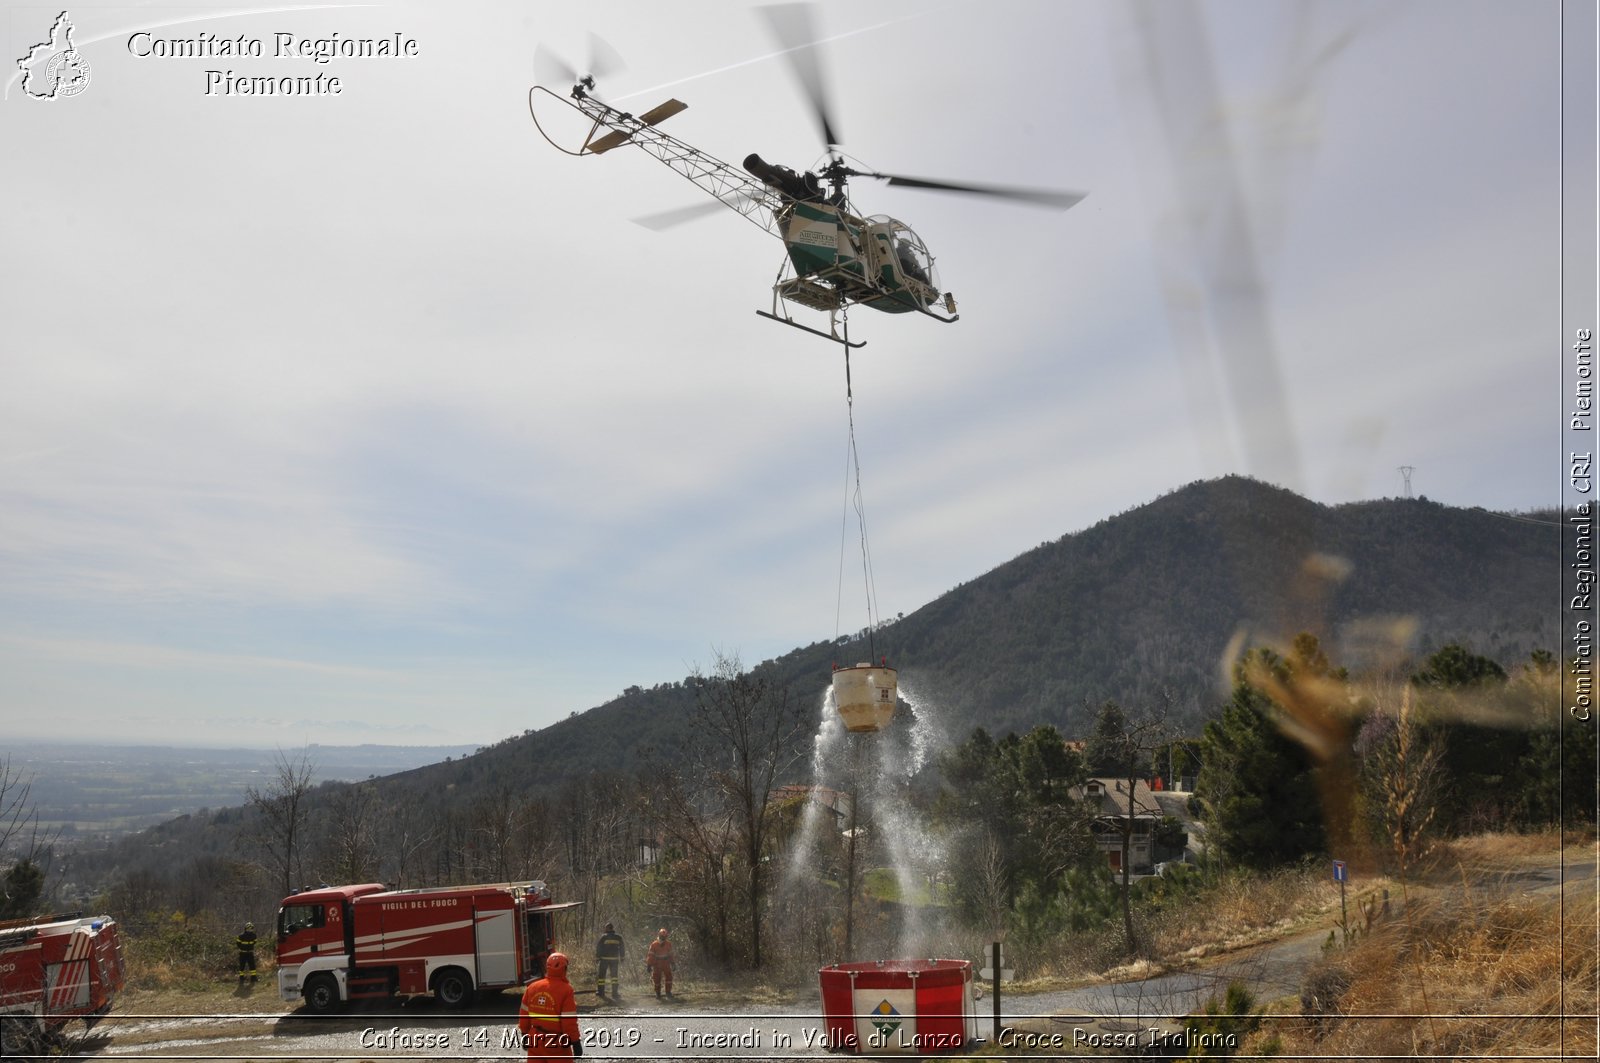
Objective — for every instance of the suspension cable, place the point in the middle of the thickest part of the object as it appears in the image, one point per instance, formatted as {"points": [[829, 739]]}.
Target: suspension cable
{"points": [[853, 465]]}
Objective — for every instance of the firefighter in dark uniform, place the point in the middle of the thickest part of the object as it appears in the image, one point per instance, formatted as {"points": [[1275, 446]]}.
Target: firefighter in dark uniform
{"points": [[608, 959], [247, 953]]}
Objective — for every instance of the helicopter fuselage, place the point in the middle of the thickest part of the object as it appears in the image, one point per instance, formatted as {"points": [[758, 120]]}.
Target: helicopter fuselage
{"points": [[839, 258]]}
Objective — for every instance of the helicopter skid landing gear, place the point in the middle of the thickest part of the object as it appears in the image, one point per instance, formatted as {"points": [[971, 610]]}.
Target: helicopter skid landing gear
{"points": [[807, 292], [830, 335], [939, 317]]}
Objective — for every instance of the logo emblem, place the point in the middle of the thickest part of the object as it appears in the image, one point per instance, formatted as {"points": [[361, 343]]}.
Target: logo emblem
{"points": [[54, 69], [881, 1021]]}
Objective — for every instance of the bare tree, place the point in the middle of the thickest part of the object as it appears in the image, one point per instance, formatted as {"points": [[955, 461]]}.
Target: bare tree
{"points": [[351, 841], [21, 836], [597, 817], [696, 869], [749, 728], [497, 820], [994, 882], [407, 828], [24, 844], [1127, 747], [283, 809]]}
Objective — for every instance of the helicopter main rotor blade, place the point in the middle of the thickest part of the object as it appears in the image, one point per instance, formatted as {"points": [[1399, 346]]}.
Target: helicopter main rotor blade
{"points": [[668, 219], [795, 32], [1037, 197]]}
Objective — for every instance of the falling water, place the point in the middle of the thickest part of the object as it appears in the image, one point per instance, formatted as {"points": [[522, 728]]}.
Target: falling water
{"points": [[893, 757], [823, 750], [913, 853]]}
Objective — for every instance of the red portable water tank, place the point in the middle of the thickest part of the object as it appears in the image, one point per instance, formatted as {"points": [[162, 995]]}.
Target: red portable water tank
{"points": [[892, 1006]]}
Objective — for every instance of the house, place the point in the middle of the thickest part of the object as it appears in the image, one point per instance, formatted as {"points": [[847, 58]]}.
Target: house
{"points": [[1113, 805]]}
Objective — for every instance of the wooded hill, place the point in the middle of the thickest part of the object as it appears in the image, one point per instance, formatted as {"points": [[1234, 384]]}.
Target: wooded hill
{"points": [[1140, 609]]}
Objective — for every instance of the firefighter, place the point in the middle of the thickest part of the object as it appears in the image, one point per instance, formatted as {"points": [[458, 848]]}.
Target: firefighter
{"points": [[659, 963], [608, 953], [247, 953], [548, 1017]]}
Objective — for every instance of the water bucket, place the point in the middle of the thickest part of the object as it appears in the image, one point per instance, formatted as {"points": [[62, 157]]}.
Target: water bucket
{"points": [[865, 696], [919, 1007]]}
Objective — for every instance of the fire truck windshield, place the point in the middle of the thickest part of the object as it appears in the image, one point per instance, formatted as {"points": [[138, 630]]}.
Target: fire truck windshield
{"points": [[296, 917]]}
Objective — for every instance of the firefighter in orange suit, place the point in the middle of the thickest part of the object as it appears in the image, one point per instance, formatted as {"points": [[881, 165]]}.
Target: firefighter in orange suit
{"points": [[659, 961], [548, 1018]]}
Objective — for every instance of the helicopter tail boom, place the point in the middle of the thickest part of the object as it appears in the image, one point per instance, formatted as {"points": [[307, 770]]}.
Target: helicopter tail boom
{"points": [[733, 188]]}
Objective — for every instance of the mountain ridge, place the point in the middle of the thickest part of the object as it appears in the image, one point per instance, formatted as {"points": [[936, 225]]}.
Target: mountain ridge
{"points": [[1140, 608]]}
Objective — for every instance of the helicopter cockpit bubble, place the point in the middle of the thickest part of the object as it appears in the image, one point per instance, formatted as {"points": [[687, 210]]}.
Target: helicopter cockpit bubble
{"points": [[911, 254]]}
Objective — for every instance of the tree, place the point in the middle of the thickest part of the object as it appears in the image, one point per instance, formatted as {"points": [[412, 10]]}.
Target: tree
{"points": [[1256, 782], [1555, 776], [1454, 667], [350, 842], [20, 889], [406, 831], [1012, 800], [1107, 749], [694, 867], [749, 727], [283, 809], [1464, 701], [24, 844], [1125, 750]]}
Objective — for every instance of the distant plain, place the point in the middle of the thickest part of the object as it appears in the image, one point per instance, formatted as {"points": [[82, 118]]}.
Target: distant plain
{"points": [[98, 792]]}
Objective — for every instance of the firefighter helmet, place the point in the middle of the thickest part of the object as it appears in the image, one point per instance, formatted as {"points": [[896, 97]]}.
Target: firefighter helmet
{"points": [[556, 964], [249, 926]]}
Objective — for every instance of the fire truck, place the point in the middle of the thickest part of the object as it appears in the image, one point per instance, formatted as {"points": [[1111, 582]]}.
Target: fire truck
{"points": [[342, 943], [53, 970]]}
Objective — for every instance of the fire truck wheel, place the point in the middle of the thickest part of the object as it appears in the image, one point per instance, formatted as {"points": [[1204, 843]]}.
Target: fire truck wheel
{"points": [[321, 993], [453, 987]]}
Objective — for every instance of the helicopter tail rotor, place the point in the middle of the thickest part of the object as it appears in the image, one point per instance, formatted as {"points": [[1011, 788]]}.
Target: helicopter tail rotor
{"points": [[551, 68]]}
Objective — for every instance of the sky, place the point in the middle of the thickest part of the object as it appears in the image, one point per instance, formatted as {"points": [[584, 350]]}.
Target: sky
{"points": [[373, 417]]}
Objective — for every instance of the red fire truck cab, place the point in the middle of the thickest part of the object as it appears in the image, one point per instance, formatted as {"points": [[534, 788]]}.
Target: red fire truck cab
{"points": [[341, 943], [54, 970]]}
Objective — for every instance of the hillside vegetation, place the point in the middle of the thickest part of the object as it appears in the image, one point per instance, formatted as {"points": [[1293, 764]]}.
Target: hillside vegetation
{"points": [[659, 807]]}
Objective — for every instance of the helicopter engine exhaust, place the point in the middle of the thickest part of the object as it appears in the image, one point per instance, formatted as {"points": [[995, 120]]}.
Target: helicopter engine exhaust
{"points": [[795, 186]]}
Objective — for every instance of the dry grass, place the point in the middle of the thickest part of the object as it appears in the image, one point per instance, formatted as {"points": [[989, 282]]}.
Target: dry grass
{"points": [[1247, 910], [1501, 850], [1459, 977]]}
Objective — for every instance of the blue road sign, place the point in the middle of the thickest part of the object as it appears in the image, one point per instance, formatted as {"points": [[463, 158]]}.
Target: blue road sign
{"points": [[1340, 873]]}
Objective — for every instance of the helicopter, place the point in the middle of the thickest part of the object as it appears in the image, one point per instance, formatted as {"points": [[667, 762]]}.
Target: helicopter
{"points": [[835, 256]]}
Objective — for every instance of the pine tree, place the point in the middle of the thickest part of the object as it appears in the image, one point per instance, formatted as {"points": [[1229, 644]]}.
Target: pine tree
{"points": [[1257, 783]]}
